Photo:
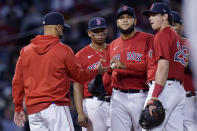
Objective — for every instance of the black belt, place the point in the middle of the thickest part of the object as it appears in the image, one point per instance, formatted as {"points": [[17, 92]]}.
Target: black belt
{"points": [[106, 99], [131, 90], [89, 97], [190, 94], [169, 79]]}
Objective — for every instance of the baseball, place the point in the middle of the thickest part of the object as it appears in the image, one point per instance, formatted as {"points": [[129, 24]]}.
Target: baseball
{"points": [[113, 65]]}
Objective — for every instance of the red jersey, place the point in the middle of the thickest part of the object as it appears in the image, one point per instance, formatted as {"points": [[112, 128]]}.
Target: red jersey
{"points": [[88, 58], [132, 52], [168, 45], [43, 73], [188, 80]]}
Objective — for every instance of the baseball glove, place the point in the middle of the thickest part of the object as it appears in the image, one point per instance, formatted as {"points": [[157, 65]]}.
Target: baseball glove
{"points": [[96, 87], [155, 118]]}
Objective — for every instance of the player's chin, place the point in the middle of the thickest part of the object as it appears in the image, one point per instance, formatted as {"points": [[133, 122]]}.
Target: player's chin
{"points": [[153, 27], [125, 28], [101, 41]]}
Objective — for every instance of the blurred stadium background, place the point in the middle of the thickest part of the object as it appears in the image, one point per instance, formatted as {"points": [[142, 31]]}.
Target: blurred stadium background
{"points": [[21, 20]]}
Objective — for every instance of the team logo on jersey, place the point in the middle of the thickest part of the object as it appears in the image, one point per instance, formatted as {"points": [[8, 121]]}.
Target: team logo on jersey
{"points": [[98, 21], [134, 56], [93, 66], [181, 55], [150, 54], [125, 7]]}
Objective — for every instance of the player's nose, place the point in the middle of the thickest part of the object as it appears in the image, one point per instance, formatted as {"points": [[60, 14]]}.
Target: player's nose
{"points": [[150, 18]]}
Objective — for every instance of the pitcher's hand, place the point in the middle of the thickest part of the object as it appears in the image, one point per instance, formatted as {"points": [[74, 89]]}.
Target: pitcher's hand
{"points": [[100, 68], [117, 64]]}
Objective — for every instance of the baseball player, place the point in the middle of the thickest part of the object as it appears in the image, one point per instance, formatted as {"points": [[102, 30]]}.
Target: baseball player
{"points": [[128, 58], [93, 112], [189, 122], [166, 64], [42, 76]]}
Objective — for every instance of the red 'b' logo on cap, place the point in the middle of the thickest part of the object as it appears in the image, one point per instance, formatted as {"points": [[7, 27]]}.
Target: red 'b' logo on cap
{"points": [[98, 21], [125, 7]]}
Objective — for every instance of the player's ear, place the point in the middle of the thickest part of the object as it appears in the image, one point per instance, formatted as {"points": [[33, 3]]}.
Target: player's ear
{"points": [[59, 27], [117, 23], [165, 16], [106, 31], [135, 21], [182, 27], [89, 33]]}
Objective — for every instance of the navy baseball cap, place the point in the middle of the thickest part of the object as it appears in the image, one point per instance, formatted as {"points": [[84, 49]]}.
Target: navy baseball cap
{"points": [[96, 23], [158, 8], [125, 9], [177, 18], [55, 18]]}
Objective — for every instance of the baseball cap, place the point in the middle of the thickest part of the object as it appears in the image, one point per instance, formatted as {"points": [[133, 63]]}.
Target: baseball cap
{"points": [[126, 9], [158, 8], [177, 18], [96, 23], [55, 18]]}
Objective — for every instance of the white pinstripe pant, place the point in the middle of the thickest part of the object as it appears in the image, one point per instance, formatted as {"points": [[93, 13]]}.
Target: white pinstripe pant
{"points": [[53, 118]]}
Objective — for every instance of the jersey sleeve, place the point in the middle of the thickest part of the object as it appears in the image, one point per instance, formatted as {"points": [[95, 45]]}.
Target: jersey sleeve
{"points": [[18, 85], [138, 68], [76, 71], [162, 46], [150, 42], [79, 59]]}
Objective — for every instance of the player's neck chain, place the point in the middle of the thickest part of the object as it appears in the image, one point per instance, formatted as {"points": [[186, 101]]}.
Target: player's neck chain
{"points": [[101, 52]]}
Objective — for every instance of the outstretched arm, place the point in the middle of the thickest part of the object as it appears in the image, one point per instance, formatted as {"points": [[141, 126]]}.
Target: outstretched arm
{"points": [[134, 68], [78, 73]]}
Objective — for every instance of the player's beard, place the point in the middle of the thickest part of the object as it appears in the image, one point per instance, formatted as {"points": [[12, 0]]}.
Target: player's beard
{"points": [[128, 31]]}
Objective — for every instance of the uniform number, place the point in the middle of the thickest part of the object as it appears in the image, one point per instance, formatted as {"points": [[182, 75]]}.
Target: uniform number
{"points": [[181, 55]]}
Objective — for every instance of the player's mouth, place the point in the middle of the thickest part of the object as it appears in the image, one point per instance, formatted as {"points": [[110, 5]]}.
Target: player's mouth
{"points": [[100, 39], [125, 24]]}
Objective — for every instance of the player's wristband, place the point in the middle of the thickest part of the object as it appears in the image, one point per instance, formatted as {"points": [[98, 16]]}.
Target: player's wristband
{"points": [[157, 90]]}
